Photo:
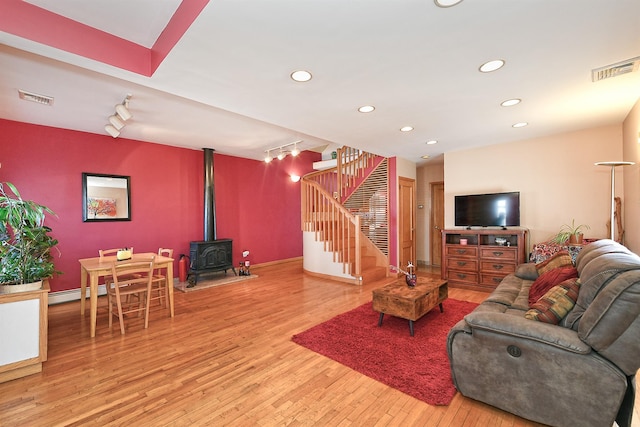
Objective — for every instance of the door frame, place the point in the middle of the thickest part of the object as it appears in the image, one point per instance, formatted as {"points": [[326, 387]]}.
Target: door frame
{"points": [[412, 215], [433, 227]]}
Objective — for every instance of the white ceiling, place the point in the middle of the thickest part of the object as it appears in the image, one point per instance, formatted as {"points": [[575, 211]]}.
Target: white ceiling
{"points": [[225, 84]]}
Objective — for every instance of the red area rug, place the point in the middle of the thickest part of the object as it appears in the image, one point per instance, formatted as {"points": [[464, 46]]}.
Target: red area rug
{"points": [[417, 366]]}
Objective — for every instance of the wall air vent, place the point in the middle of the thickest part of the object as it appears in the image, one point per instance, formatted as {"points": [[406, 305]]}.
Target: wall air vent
{"points": [[617, 69], [34, 97]]}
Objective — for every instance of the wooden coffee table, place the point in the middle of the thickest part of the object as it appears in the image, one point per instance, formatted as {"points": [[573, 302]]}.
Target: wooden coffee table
{"points": [[398, 299]]}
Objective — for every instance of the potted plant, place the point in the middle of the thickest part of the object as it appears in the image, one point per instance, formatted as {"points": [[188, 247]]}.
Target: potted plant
{"points": [[571, 233], [25, 243]]}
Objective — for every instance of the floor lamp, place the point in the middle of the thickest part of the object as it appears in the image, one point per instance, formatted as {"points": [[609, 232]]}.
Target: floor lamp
{"points": [[613, 186]]}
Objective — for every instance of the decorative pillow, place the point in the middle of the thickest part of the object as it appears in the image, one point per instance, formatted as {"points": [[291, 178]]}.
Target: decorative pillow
{"points": [[556, 303], [527, 271], [560, 259], [545, 250], [548, 280]]}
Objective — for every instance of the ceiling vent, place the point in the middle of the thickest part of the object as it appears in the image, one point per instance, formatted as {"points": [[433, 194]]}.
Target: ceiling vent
{"points": [[34, 97], [617, 69]]}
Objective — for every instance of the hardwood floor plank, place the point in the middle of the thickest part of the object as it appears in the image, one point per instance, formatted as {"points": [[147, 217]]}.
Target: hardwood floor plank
{"points": [[225, 359]]}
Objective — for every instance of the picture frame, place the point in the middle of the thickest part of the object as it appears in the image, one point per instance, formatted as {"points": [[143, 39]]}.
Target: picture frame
{"points": [[106, 197]]}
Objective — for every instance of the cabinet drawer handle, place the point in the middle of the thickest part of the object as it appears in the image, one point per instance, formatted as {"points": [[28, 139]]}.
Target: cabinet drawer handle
{"points": [[461, 263], [498, 266], [497, 253], [461, 276], [497, 280], [462, 251]]}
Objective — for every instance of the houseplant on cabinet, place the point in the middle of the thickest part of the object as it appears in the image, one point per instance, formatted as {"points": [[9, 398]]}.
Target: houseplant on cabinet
{"points": [[25, 257], [571, 233], [25, 243]]}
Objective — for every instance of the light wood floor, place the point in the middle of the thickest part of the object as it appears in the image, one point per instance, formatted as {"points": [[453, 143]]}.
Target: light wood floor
{"points": [[226, 359]]}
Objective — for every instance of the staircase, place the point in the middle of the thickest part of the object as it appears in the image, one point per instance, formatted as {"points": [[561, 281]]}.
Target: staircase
{"points": [[346, 209]]}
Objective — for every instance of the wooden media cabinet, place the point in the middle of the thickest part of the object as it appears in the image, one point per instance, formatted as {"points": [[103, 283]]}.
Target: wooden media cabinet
{"points": [[486, 258]]}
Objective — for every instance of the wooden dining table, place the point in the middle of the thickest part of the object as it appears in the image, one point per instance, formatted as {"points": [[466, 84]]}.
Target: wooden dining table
{"points": [[94, 268]]}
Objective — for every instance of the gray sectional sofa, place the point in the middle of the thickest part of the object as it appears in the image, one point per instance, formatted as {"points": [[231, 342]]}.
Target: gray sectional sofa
{"points": [[579, 372]]}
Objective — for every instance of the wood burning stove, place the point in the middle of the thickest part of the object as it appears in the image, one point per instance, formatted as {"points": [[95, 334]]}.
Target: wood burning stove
{"points": [[210, 256]]}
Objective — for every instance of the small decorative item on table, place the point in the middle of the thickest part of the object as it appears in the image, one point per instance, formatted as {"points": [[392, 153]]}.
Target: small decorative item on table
{"points": [[123, 254], [501, 241], [410, 276]]}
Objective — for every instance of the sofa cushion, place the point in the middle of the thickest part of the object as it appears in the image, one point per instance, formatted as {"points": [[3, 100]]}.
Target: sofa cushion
{"points": [[527, 271], [548, 280], [596, 249], [554, 305], [560, 259], [595, 276]]}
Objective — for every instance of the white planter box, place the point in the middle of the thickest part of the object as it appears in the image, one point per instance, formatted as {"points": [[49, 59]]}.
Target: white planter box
{"points": [[23, 332]]}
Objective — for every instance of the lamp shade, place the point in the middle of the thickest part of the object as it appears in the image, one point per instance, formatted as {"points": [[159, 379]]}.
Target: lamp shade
{"points": [[112, 131], [123, 112]]}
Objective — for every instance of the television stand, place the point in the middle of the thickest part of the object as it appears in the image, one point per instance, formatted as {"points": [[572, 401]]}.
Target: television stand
{"points": [[480, 259]]}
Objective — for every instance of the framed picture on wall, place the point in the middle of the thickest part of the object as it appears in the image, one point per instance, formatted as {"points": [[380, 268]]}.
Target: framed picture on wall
{"points": [[106, 197]]}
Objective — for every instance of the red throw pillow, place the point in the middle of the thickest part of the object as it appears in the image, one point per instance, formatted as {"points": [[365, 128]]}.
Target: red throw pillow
{"points": [[548, 280]]}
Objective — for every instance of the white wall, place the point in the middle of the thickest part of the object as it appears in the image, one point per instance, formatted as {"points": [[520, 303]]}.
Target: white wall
{"points": [[405, 168], [555, 175], [631, 199], [317, 260]]}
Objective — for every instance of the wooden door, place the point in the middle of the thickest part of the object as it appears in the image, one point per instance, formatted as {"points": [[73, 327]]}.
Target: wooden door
{"points": [[407, 220], [436, 222]]}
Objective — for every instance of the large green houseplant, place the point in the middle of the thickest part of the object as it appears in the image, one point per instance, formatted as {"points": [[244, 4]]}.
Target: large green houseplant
{"points": [[25, 243]]}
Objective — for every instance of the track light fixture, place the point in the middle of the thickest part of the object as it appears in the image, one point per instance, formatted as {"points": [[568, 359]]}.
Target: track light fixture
{"points": [[112, 131], [116, 121], [122, 110], [295, 150], [268, 159], [283, 150]]}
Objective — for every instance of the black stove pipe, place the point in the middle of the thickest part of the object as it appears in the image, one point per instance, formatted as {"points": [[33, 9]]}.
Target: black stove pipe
{"points": [[210, 232]]}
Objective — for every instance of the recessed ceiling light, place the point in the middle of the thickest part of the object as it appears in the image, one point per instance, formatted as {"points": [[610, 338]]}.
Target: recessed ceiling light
{"points": [[446, 3], [366, 108], [406, 129], [511, 102], [426, 156], [490, 66], [301, 76], [433, 141], [520, 125]]}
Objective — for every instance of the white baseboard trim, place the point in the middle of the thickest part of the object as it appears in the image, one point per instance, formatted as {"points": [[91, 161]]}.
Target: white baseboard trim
{"points": [[72, 295]]}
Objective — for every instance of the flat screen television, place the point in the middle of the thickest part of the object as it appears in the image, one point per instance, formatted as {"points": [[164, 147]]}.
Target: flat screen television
{"points": [[488, 210]]}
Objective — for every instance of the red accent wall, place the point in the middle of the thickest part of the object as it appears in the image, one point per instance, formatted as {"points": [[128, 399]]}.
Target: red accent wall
{"points": [[257, 205]]}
